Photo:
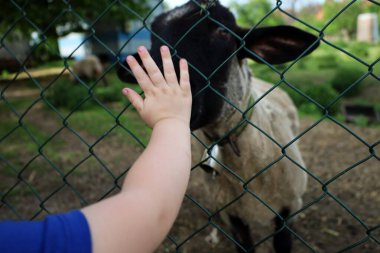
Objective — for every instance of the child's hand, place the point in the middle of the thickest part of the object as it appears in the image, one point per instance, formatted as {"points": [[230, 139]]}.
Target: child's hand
{"points": [[164, 97]]}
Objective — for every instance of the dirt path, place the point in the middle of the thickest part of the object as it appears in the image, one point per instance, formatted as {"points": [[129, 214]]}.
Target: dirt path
{"points": [[91, 168], [326, 226], [327, 150], [36, 73]]}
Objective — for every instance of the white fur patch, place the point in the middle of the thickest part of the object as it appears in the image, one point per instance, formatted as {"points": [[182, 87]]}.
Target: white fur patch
{"points": [[178, 12]]}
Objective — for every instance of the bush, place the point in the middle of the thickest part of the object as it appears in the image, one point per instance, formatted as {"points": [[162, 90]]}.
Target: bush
{"points": [[359, 49], [65, 94], [326, 61], [108, 94], [344, 77], [341, 43], [309, 109], [361, 121], [323, 94]]}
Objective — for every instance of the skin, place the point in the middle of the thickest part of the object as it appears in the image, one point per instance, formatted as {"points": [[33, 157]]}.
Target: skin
{"points": [[139, 217]]}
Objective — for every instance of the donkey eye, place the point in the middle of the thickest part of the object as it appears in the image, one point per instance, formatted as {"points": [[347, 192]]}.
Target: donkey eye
{"points": [[222, 31]]}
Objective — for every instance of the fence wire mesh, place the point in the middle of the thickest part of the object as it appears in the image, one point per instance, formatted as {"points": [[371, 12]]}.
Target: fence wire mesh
{"points": [[54, 159]]}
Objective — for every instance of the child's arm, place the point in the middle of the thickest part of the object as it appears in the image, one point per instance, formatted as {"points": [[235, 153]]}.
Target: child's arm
{"points": [[140, 216]]}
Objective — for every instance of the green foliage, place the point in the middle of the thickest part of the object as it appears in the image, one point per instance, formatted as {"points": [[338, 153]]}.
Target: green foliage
{"points": [[108, 94], [342, 43], [325, 74], [361, 121], [322, 94], [309, 109], [252, 11], [344, 22], [84, 121], [68, 95], [44, 14], [112, 92], [373, 8], [359, 49], [19, 138], [64, 94], [346, 75], [54, 64], [47, 20], [325, 61], [4, 74]]}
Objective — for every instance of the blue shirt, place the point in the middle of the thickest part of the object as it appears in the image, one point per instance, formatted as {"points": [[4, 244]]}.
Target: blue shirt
{"points": [[62, 233]]}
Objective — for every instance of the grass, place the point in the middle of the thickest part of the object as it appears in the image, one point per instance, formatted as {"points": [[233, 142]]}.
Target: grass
{"points": [[97, 122], [101, 116], [17, 146], [322, 72], [55, 64], [11, 131], [100, 113], [94, 121]]}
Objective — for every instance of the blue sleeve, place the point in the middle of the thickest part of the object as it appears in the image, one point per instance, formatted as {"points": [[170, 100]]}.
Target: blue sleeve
{"points": [[63, 233]]}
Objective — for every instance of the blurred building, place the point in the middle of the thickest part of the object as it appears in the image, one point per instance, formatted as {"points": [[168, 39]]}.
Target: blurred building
{"points": [[136, 34], [368, 28], [111, 38], [72, 46]]}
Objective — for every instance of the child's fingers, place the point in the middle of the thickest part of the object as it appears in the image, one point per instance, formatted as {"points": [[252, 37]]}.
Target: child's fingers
{"points": [[151, 67], [184, 74], [135, 99], [140, 75], [167, 62]]}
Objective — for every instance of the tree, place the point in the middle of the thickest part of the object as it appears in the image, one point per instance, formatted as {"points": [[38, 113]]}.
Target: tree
{"points": [[373, 8], [48, 14], [345, 23], [251, 12], [43, 17]]}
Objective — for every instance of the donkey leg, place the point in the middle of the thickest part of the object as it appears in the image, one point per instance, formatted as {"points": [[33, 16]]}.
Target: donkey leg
{"points": [[282, 241], [241, 234]]}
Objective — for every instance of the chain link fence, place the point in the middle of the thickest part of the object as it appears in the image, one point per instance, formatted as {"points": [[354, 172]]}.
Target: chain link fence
{"points": [[55, 158]]}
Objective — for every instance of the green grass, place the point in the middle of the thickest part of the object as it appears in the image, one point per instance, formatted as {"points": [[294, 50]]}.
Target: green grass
{"points": [[22, 133], [19, 104], [65, 94], [92, 116], [16, 142], [97, 122], [315, 74], [54, 64]]}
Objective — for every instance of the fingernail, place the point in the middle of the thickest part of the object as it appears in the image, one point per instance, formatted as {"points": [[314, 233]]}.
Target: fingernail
{"points": [[129, 58], [125, 91], [164, 48], [141, 49]]}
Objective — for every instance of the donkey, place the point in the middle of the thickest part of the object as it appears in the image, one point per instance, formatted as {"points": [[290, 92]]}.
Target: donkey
{"points": [[206, 34]]}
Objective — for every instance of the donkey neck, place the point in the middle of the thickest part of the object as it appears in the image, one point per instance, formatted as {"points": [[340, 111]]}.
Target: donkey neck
{"points": [[238, 94]]}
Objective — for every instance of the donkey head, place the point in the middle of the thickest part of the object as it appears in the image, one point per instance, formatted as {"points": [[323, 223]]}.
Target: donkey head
{"points": [[205, 33]]}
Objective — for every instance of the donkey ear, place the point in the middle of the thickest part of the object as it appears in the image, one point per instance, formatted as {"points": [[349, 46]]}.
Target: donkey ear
{"points": [[277, 44], [124, 72]]}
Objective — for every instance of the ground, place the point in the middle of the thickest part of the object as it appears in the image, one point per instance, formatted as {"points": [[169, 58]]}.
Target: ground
{"points": [[91, 171], [326, 226]]}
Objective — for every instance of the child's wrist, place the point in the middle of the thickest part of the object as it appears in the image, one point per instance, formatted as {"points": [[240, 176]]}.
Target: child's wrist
{"points": [[177, 122]]}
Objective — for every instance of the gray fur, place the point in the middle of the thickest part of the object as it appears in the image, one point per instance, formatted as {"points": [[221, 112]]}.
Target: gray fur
{"points": [[88, 69], [283, 184]]}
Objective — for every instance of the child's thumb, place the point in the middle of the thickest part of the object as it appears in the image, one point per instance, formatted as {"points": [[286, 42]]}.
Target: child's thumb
{"points": [[135, 99]]}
